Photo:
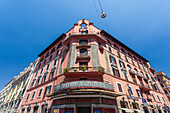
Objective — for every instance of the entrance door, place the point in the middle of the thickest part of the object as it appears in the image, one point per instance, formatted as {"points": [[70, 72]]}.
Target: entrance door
{"points": [[83, 110]]}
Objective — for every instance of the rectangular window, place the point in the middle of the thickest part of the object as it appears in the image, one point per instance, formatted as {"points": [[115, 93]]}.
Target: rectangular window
{"points": [[44, 78], [32, 83], [119, 87], [42, 70], [121, 64], [28, 97], [153, 97], [48, 65], [112, 59], [163, 99], [33, 95], [139, 93], [130, 91], [116, 72], [38, 80], [48, 89], [125, 75], [51, 74], [55, 62], [36, 74], [158, 98], [39, 95]]}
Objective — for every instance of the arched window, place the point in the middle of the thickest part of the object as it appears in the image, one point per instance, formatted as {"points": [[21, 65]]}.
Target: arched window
{"points": [[83, 52], [52, 51], [136, 71], [44, 61], [59, 45], [83, 42], [142, 74], [47, 55], [129, 68], [83, 25]]}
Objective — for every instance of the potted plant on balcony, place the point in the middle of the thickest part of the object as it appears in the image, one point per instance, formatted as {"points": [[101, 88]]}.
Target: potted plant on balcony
{"points": [[74, 70], [100, 69], [83, 68], [66, 70]]}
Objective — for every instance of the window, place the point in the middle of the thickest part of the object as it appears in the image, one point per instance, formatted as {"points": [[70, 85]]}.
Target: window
{"points": [[115, 46], [51, 74], [83, 42], [33, 95], [136, 72], [39, 95], [112, 59], [119, 86], [55, 62], [116, 72], [125, 75], [59, 45], [130, 91], [44, 78], [153, 97], [47, 55], [83, 52], [48, 88], [52, 51], [110, 49], [162, 85], [139, 93], [44, 61], [163, 99], [134, 79], [35, 109], [42, 70], [123, 51], [36, 74], [158, 98], [51, 57], [57, 52], [159, 79], [28, 96], [48, 65], [39, 65], [147, 76], [33, 83], [129, 68], [38, 80], [121, 64], [28, 109]]}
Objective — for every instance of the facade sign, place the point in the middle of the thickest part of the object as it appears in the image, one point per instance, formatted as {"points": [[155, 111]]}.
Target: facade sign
{"points": [[84, 84], [144, 100], [135, 98]]}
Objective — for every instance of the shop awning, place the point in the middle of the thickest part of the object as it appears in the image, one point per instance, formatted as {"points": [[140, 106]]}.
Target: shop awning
{"points": [[127, 110], [139, 111]]}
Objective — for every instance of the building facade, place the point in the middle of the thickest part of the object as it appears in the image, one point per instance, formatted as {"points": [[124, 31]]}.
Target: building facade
{"points": [[86, 70], [164, 81], [4, 92], [17, 91]]}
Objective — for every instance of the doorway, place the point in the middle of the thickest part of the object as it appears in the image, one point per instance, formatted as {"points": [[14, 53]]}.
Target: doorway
{"points": [[83, 110]]}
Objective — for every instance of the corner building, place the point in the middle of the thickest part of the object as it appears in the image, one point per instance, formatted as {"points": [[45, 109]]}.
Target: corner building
{"points": [[86, 70], [164, 81]]}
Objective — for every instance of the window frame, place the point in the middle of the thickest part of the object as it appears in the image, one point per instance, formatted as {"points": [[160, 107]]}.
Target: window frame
{"points": [[118, 87]]}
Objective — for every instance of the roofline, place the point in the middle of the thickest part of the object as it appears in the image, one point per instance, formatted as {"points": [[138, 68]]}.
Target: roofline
{"points": [[120, 43], [53, 43]]}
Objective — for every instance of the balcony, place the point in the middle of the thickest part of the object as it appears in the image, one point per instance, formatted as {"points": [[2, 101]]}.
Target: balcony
{"points": [[145, 87], [83, 57], [83, 45]]}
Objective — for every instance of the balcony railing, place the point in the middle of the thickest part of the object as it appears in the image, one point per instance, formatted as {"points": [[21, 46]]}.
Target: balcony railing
{"points": [[84, 69], [144, 86]]}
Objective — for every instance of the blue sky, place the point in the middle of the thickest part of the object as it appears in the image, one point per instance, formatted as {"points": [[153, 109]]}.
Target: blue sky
{"points": [[29, 26]]}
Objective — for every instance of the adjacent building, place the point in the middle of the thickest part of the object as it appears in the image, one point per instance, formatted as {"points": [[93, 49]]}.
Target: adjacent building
{"points": [[17, 91], [164, 81], [4, 92], [87, 70]]}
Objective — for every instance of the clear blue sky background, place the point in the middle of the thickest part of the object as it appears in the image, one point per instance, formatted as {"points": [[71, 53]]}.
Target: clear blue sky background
{"points": [[29, 26]]}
